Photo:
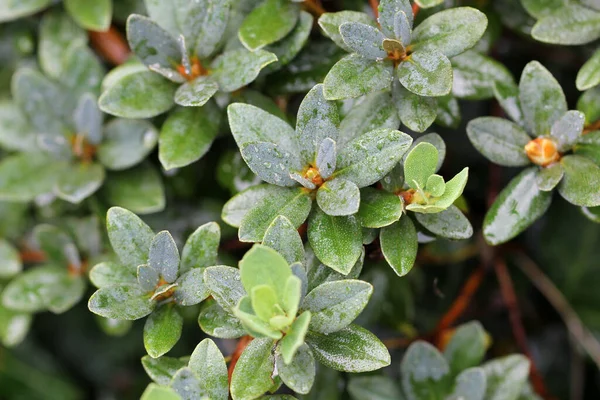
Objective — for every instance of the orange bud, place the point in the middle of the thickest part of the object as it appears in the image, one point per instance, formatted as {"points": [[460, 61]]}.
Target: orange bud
{"points": [[542, 151], [313, 175]]}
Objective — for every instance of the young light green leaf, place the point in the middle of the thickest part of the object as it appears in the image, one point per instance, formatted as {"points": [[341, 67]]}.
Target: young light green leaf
{"points": [[425, 372], [571, 25], [499, 140], [162, 330], [378, 208], [283, 237], [517, 206], [352, 349], [336, 241], [399, 245], [294, 338], [466, 347], [548, 177], [436, 186], [155, 392], [237, 68], [94, 15], [252, 373], [581, 181], [262, 265], [217, 322], [450, 31], [299, 375], [363, 39], [454, 188], [589, 74], [127, 302], [541, 97], [334, 305], [338, 197], [354, 76], [269, 22], [129, 236], [450, 223], [208, 364], [426, 72], [420, 164], [128, 96]]}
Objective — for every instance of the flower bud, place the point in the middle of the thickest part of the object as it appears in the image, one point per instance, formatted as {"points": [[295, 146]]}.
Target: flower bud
{"points": [[542, 151]]}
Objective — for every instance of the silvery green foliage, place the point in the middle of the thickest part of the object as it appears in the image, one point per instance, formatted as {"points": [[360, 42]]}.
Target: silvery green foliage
{"points": [[560, 156], [411, 62], [315, 161], [151, 278]]}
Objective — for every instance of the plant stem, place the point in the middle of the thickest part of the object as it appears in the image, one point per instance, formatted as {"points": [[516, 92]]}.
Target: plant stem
{"points": [[111, 45], [314, 7], [239, 349], [32, 256], [375, 7]]}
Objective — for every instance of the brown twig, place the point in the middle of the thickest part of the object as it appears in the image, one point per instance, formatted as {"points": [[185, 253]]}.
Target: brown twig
{"points": [[416, 9], [514, 313], [111, 45], [375, 7], [554, 296], [314, 7], [32, 256], [235, 356]]}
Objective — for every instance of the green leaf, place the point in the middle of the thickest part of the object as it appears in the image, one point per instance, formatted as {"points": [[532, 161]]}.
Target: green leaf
{"points": [[162, 330], [336, 241], [271, 163], [25, 176], [57, 245], [542, 99], [368, 158], [506, 377], [151, 43], [12, 10], [570, 25], [58, 33], [428, 3], [299, 375], [425, 372], [262, 265], [448, 113], [581, 181], [399, 245], [330, 24], [264, 302], [435, 185], [208, 364], [454, 188], [318, 120], [426, 72], [94, 15], [115, 327], [420, 164], [588, 146], [589, 104], [161, 369], [352, 349], [81, 181], [388, 9], [191, 288], [126, 143], [378, 208], [499, 140], [294, 338], [217, 322], [252, 373], [129, 236], [450, 223], [363, 39], [164, 256], [466, 347], [589, 74], [255, 325], [283, 237], [128, 302], [450, 31], [539, 9], [147, 277], [373, 387], [288, 48], [354, 76], [517, 206], [334, 305], [548, 177], [196, 93], [470, 384], [13, 326], [128, 96], [416, 112], [338, 197], [568, 129], [250, 124], [271, 21], [237, 68], [110, 274], [225, 285], [292, 203], [16, 134], [201, 248], [139, 189], [507, 95], [213, 27], [187, 385], [11, 262], [88, 118], [155, 392], [474, 75]]}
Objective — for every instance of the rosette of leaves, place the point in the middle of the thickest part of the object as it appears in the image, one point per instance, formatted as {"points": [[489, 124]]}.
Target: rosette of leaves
{"points": [[291, 327], [93, 15], [415, 199], [180, 46], [564, 22], [547, 138], [60, 282], [454, 374], [312, 162], [152, 279], [413, 64]]}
